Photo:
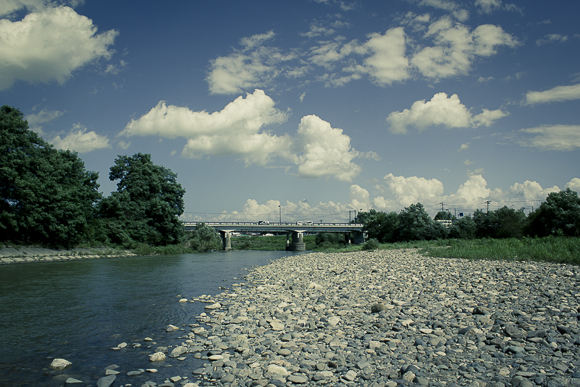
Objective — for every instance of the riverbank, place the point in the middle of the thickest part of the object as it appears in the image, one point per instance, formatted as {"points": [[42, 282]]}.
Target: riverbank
{"points": [[27, 254], [390, 318]]}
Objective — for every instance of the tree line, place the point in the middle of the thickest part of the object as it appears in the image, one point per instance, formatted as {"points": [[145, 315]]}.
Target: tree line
{"points": [[47, 196], [558, 215]]}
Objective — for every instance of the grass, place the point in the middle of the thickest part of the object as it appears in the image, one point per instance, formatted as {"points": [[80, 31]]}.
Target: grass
{"points": [[550, 249]]}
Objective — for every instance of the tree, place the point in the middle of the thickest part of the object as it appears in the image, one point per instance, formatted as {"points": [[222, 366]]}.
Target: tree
{"points": [[146, 206], [46, 195], [381, 226], [558, 215], [416, 224], [444, 215], [205, 238], [463, 228], [502, 223]]}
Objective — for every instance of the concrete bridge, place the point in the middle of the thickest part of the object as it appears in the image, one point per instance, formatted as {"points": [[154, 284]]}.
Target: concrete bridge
{"points": [[296, 230]]}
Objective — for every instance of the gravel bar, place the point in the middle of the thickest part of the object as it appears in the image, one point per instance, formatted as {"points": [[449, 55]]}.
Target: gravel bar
{"points": [[391, 318]]}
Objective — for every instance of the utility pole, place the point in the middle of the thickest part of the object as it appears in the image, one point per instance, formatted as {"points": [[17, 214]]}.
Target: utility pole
{"points": [[280, 207], [488, 202], [442, 205], [349, 216]]}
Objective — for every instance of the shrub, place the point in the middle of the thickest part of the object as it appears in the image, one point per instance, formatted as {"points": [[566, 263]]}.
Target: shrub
{"points": [[371, 244]]}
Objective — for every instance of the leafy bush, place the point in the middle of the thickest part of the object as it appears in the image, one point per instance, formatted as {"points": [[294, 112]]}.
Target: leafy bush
{"points": [[371, 244]]}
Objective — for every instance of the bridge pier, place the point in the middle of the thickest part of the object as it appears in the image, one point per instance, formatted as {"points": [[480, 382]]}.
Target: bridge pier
{"points": [[297, 242], [358, 238], [226, 239]]}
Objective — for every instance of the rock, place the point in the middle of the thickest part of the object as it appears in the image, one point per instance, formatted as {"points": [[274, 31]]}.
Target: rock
{"points": [[106, 381], [298, 379], [276, 325], [60, 364], [73, 381], [213, 306], [277, 370], [157, 356], [376, 308], [350, 375], [178, 351]]}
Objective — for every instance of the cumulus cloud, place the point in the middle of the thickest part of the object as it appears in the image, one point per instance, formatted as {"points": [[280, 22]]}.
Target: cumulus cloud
{"points": [[235, 130], [395, 193], [552, 137], [81, 141], [441, 110], [324, 151], [49, 45], [556, 94], [317, 149], [456, 47]]}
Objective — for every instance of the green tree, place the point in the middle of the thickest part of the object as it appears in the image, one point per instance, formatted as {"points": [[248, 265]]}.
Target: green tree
{"points": [[205, 238], [330, 239], [146, 206], [46, 195], [416, 224], [381, 226], [463, 228], [444, 215], [502, 223], [558, 215]]}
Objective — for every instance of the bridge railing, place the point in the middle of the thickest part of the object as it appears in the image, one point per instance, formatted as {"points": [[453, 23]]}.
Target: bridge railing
{"points": [[274, 224]]}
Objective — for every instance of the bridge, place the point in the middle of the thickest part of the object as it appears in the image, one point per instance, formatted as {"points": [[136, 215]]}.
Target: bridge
{"points": [[296, 230]]}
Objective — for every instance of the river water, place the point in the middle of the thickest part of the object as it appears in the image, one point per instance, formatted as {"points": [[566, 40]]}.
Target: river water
{"points": [[79, 310]]}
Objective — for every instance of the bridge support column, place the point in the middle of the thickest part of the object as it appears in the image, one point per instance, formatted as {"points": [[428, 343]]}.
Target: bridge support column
{"points": [[297, 242], [358, 238], [227, 240]]}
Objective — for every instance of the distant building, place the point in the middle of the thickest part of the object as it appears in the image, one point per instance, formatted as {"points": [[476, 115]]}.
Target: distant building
{"points": [[447, 223]]}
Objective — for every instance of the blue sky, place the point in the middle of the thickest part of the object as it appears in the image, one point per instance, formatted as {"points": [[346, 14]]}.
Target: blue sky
{"points": [[314, 107]]}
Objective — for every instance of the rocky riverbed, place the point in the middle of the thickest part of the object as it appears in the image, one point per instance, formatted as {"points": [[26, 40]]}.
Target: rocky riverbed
{"points": [[390, 318]]}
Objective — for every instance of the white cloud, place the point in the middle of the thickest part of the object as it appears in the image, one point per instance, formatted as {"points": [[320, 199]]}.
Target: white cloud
{"points": [[531, 192], [410, 190], [255, 65], [489, 6], [235, 130], [552, 38], [49, 45], [463, 147], [557, 94], [36, 119], [81, 141], [397, 193], [447, 5], [552, 137], [574, 184], [456, 47], [387, 62], [440, 110], [318, 150], [325, 151]]}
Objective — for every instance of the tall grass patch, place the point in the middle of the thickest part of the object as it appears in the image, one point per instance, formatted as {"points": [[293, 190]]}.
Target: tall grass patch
{"points": [[550, 249]]}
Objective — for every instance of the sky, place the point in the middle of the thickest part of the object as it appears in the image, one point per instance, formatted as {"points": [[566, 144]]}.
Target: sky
{"points": [[308, 109]]}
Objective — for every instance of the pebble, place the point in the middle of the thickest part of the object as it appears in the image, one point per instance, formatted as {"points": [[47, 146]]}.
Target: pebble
{"points": [[389, 318]]}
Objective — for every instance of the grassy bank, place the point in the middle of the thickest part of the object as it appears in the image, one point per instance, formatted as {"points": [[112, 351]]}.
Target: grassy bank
{"points": [[550, 249]]}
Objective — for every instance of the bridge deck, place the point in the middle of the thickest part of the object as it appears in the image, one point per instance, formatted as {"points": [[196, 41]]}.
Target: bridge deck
{"points": [[279, 227]]}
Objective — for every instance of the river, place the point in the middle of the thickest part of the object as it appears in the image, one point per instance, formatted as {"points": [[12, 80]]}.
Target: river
{"points": [[79, 310]]}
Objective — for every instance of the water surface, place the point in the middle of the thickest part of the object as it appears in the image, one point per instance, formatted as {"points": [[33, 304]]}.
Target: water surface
{"points": [[78, 310]]}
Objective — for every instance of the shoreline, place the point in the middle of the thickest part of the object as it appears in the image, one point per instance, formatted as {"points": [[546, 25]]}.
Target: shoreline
{"points": [[28, 254], [392, 318]]}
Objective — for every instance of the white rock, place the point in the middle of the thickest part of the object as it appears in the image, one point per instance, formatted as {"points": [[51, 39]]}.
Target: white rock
{"points": [[60, 364], [183, 300], [216, 305], [122, 345], [157, 356], [276, 325], [278, 370], [334, 320]]}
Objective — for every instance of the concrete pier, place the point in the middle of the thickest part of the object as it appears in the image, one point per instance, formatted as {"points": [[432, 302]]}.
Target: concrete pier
{"points": [[297, 243]]}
